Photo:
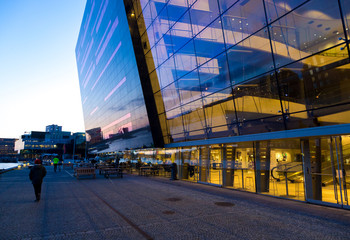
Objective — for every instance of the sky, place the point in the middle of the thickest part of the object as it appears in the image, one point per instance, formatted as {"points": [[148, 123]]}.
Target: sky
{"points": [[39, 83]]}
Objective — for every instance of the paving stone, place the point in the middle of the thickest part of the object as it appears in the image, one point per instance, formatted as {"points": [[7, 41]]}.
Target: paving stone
{"points": [[137, 207]]}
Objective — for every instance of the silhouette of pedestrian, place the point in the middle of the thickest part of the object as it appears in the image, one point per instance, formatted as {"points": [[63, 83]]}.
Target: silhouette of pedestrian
{"points": [[36, 175], [60, 163], [55, 163]]}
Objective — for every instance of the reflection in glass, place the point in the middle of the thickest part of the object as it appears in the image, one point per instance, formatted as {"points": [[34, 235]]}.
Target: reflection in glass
{"points": [[176, 8], [258, 99], [167, 73], [276, 9], [202, 14], [174, 122], [315, 83], [171, 97], [181, 32], [214, 75], [189, 87], [193, 116], [220, 114], [209, 42], [241, 20], [226, 4], [185, 60], [250, 57], [313, 27]]}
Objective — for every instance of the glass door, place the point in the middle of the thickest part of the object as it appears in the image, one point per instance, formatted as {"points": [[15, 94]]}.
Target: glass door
{"points": [[190, 170], [339, 150], [327, 169], [215, 166], [210, 165]]}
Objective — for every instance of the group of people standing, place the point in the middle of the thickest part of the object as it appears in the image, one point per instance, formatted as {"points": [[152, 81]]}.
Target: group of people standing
{"points": [[38, 172]]}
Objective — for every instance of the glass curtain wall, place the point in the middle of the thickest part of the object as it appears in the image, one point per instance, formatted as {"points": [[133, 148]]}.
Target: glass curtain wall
{"points": [[226, 68], [327, 161], [313, 169]]}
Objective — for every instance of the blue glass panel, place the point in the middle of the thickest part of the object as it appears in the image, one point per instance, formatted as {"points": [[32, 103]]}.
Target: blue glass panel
{"points": [[311, 28], [241, 20], [277, 8], [185, 60], [167, 73], [209, 42], [214, 75], [161, 25], [181, 32], [226, 4], [250, 58], [193, 116], [189, 87], [176, 8], [203, 12], [151, 36], [171, 97]]}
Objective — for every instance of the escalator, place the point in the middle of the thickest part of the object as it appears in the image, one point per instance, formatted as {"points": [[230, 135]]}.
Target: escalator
{"points": [[293, 171]]}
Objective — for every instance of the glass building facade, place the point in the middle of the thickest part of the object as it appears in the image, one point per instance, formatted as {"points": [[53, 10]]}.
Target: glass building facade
{"points": [[249, 94], [113, 105]]}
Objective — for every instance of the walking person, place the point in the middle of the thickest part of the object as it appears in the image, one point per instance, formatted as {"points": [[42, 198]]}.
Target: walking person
{"points": [[60, 163], [55, 163], [36, 175]]}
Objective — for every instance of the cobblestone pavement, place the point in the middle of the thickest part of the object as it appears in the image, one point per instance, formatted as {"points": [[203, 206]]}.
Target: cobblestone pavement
{"points": [[154, 208]]}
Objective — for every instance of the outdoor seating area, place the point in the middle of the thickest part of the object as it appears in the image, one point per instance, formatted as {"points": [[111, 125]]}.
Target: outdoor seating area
{"points": [[84, 171]]}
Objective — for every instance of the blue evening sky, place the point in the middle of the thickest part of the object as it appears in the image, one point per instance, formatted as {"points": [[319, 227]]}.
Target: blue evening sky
{"points": [[38, 75]]}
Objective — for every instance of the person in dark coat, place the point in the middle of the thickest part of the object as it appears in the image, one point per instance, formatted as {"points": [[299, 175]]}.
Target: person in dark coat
{"points": [[36, 175]]}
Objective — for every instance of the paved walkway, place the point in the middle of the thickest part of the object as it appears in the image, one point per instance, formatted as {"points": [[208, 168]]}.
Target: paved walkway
{"points": [[152, 208]]}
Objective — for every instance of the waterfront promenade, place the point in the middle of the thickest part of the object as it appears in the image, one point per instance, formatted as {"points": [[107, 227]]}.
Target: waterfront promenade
{"points": [[137, 207]]}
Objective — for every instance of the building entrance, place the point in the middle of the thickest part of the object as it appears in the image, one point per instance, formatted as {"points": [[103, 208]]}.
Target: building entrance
{"points": [[189, 164], [327, 165], [211, 165]]}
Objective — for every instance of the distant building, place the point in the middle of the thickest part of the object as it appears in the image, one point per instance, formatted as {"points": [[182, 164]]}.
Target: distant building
{"points": [[53, 140], [7, 148], [53, 128], [94, 135]]}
